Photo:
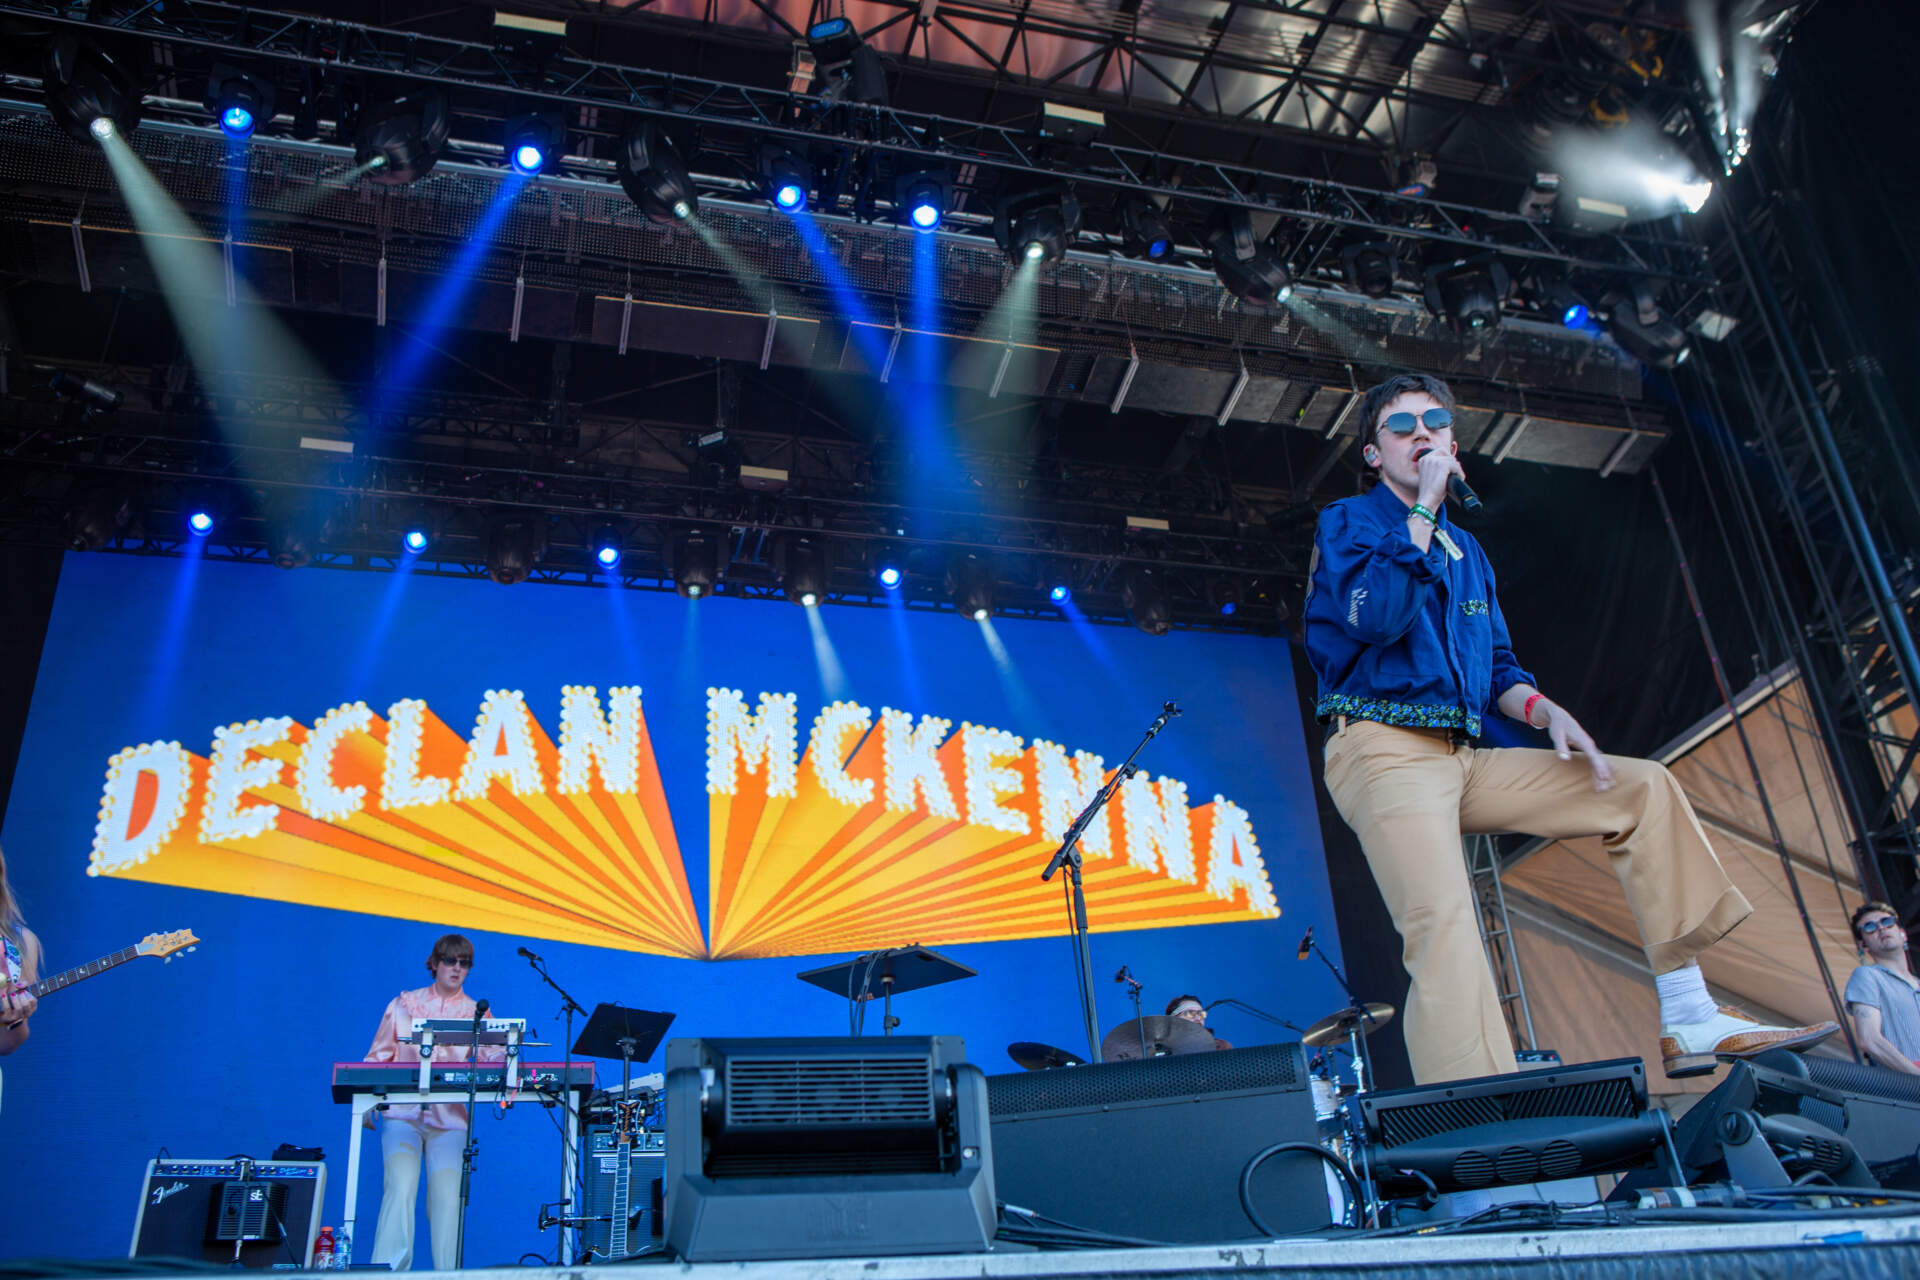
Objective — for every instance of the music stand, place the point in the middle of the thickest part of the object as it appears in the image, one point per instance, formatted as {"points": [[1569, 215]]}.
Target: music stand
{"points": [[897, 970], [626, 1035]]}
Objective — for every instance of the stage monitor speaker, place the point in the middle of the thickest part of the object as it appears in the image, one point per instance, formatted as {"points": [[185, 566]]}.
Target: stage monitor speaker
{"points": [[826, 1148], [1536, 1126], [203, 1209], [644, 1161], [1154, 1148], [1781, 1118], [1879, 1111]]}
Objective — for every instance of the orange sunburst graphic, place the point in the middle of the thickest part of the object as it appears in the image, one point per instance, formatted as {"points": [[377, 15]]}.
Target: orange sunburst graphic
{"points": [[400, 816], [917, 836]]}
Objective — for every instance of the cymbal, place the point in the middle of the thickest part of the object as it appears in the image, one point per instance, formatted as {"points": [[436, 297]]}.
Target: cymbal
{"points": [[1038, 1057], [1163, 1035], [1335, 1027]]}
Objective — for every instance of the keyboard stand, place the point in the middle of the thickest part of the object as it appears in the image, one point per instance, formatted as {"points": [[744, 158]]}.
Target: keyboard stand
{"points": [[366, 1102]]}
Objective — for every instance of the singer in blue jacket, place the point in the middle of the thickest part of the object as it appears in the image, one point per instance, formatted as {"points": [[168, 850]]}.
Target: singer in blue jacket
{"points": [[1404, 630]]}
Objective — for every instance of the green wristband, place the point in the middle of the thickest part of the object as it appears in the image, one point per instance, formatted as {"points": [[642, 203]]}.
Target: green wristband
{"points": [[1424, 514]]}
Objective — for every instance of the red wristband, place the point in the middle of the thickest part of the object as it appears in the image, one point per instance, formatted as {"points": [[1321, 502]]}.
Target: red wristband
{"points": [[1526, 712]]}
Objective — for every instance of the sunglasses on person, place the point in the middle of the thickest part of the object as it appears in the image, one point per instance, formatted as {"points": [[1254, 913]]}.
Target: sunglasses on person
{"points": [[1875, 926], [1403, 423], [465, 962]]}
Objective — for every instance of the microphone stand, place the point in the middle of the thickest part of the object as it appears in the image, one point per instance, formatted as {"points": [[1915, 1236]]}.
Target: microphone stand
{"points": [[1139, 1019], [1261, 1014], [1069, 854], [470, 1151], [568, 1007]]}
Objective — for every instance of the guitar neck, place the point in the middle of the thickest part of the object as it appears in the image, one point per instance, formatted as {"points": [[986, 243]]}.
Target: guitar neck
{"points": [[617, 1247], [68, 977]]}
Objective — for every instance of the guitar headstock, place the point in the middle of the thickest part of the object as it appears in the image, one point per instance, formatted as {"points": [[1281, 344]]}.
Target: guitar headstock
{"points": [[164, 945]]}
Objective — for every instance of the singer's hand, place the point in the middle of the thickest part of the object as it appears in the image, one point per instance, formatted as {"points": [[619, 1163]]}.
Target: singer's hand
{"points": [[1435, 466], [1567, 737]]}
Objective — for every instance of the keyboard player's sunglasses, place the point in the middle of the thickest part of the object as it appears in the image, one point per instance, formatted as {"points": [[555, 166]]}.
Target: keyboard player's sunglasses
{"points": [[1403, 423]]}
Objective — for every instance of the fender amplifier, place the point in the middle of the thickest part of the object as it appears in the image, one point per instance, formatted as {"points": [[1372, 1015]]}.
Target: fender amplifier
{"points": [[258, 1212]]}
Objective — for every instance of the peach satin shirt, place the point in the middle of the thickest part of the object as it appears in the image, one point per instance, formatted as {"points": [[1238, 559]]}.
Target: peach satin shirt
{"points": [[426, 1002]]}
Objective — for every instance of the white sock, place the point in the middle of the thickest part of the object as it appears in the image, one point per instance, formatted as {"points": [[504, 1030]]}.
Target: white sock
{"points": [[1683, 996]]}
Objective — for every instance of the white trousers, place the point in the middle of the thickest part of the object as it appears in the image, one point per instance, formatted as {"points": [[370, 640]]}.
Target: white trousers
{"points": [[401, 1145]]}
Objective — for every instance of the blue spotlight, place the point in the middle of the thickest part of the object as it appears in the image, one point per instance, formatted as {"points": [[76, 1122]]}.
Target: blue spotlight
{"points": [[532, 140], [607, 545], [237, 123], [200, 522], [890, 576], [1575, 316], [1060, 594], [1229, 607], [790, 196], [415, 540], [922, 198]]}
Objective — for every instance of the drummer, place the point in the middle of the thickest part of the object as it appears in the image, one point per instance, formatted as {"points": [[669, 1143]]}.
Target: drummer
{"points": [[1190, 1008]]}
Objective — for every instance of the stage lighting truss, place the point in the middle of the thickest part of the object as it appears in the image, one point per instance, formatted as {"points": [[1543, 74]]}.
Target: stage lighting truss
{"points": [[805, 567], [1251, 266], [1037, 226], [515, 543], [920, 200], [971, 582], [654, 176], [695, 561], [297, 526], [785, 178], [1144, 593], [238, 101], [1145, 231], [99, 515], [1370, 266], [90, 94], [399, 139], [1467, 292], [533, 142], [1636, 321]]}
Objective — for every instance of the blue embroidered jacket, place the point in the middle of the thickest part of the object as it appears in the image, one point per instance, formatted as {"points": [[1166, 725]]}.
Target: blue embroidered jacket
{"points": [[1399, 636]]}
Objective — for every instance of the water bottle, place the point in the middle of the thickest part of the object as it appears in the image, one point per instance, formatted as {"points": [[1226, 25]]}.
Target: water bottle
{"points": [[323, 1250], [342, 1250]]}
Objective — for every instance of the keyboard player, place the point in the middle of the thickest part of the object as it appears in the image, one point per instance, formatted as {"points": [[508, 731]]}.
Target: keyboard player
{"points": [[437, 1132]]}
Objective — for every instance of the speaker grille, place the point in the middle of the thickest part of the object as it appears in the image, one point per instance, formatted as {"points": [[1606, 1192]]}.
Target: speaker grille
{"points": [[1473, 1169], [785, 1092], [1560, 1159], [1606, 1099], [801, 1164], [1258, 1068]]}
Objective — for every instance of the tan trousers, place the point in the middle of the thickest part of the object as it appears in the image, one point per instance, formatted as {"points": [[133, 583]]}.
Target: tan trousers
{"points": [[1409, 794], [402, 1143]]}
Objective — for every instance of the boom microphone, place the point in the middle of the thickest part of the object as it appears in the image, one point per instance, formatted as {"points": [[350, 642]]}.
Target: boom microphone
{"points": [[1306, 944], [1461, 491], [529, 955], [1122, 975]]}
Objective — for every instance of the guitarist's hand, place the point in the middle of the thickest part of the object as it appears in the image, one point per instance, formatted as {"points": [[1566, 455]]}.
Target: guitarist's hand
{"points": [[17, 1005]]}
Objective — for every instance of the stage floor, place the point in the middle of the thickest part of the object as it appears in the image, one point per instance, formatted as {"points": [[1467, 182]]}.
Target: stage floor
{"points": [[1853, 1246]]}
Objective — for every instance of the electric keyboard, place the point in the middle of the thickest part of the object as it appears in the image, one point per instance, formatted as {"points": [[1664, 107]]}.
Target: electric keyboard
{"points": [[354, 1078]]}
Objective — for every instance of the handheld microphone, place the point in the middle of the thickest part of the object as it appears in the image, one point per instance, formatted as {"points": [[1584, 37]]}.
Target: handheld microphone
{"points": [[1306, 944], [1461, 491], [529, 955]]}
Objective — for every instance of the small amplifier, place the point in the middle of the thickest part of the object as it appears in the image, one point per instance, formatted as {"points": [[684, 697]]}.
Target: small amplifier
{"points": [[258, 1213], [600, 1151]]}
